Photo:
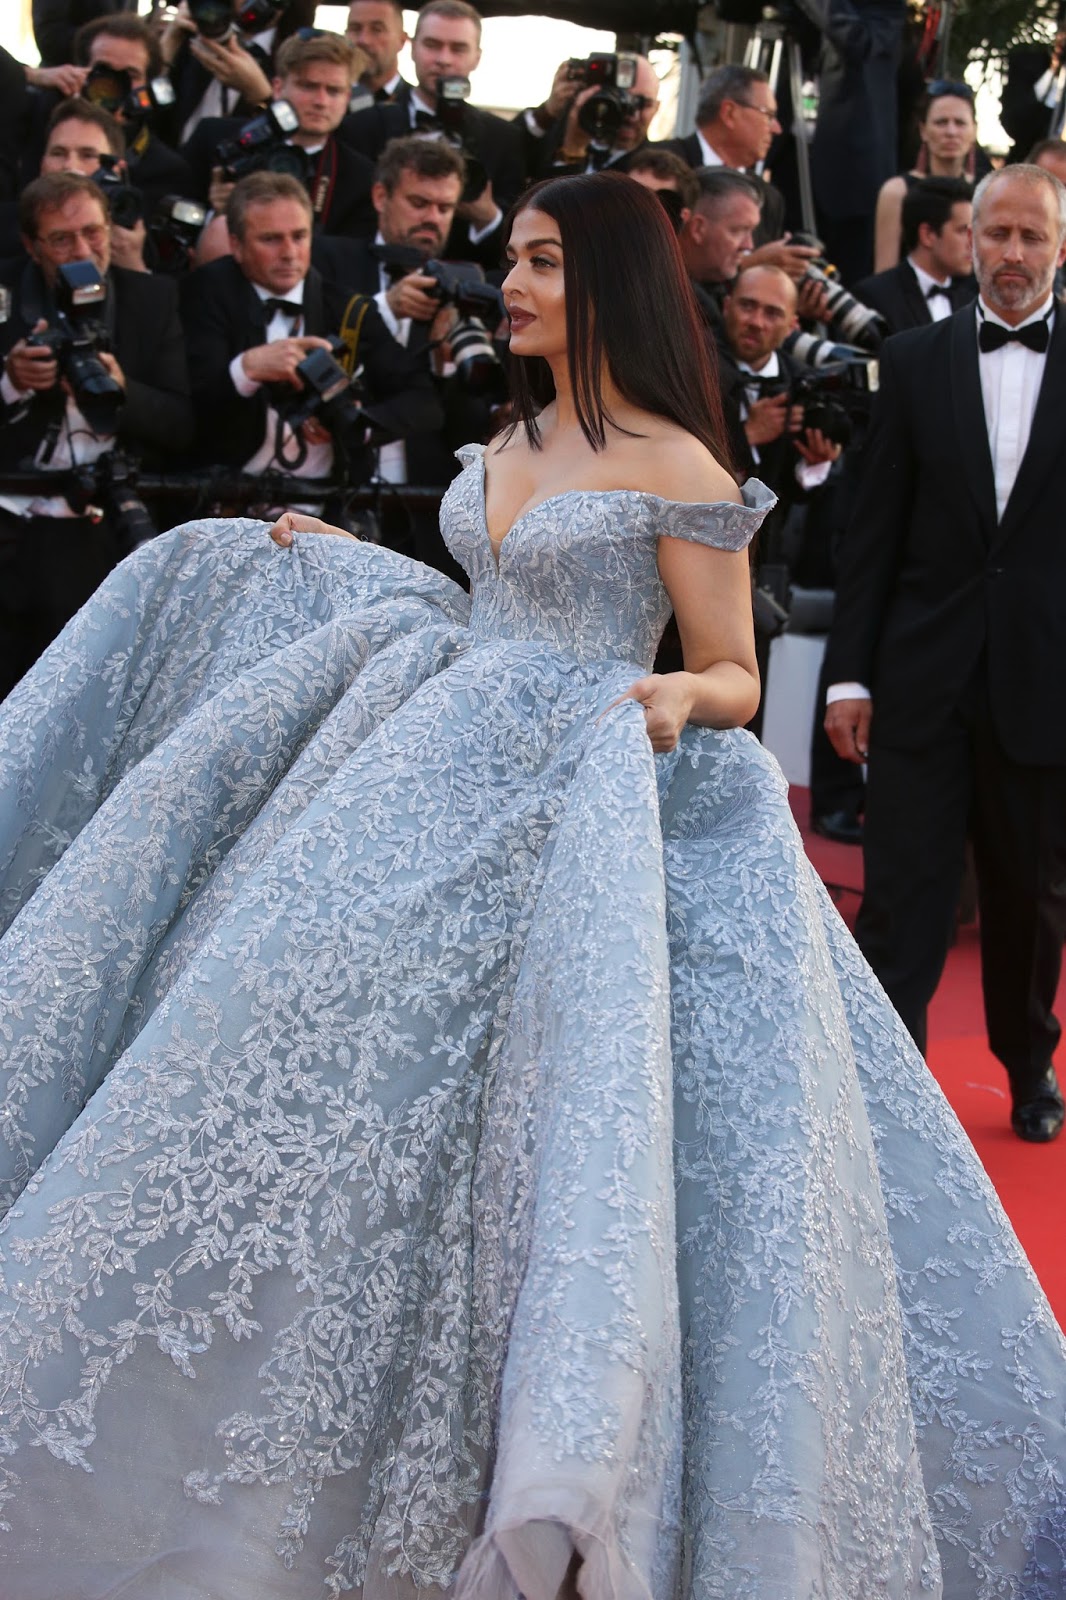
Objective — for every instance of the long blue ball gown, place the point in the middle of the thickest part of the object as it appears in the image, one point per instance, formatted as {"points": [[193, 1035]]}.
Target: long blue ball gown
{"points": [[450, 1148]]}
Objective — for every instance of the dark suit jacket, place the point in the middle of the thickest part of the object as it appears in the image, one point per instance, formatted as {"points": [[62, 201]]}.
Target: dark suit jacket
{"points": [[345, 176], [1021, 113], [190, 78], [855, 143], [224, 317], [496, 143], [897, 295], [931, 587], [772, 222], [147, 339]]}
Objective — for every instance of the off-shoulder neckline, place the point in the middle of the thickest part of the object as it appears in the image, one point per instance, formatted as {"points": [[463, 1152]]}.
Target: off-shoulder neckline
{"points": [[468, 454]]}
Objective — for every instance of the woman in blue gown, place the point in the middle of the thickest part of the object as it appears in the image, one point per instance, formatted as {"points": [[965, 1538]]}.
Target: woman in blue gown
{"points": [[450, 1141]]}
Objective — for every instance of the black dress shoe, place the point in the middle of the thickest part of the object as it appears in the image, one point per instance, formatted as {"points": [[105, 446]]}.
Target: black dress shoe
{"points": [[1038, 1115], [843, 827]]}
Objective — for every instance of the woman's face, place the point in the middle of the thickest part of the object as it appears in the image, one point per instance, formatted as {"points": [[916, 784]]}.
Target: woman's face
{"points": [[533, 289], [948, 129]]}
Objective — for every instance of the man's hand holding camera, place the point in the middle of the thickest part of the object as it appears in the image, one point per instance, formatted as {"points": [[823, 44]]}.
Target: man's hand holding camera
{"points": [[277, 362], [774, 415], [227, 60], [481, 212], [31, 367]]}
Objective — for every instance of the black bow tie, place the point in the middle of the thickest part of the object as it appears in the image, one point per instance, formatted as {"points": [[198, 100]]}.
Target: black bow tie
{"points": [[288, 308], [1034, 336], [427, 122], [938, 288]]}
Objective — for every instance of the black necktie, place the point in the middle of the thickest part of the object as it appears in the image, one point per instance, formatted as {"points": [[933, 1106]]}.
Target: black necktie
{"points": [[1034, 336], [383, 97], [938, 288], [288, 308], [426, 122]]}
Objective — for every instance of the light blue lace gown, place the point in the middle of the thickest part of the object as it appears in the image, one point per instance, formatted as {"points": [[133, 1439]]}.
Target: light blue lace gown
{"points": [[440, 1135]]}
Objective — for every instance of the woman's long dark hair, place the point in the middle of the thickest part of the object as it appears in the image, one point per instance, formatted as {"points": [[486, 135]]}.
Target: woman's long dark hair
{"points": [[629, 307]]}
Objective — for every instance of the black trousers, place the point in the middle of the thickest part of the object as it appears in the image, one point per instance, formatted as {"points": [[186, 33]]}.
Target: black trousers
{"points": [[49, 566], [920, 804]]}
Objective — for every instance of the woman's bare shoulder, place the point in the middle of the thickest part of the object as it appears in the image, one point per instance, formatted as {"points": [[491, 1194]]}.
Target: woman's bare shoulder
{"points": [[677, 466]]}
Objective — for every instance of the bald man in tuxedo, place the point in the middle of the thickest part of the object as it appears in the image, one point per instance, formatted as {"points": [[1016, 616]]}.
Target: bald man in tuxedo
{"points": [[947, 657]]}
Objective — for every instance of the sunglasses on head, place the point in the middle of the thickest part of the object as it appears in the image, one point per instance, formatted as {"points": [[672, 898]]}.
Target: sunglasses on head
{"points": [[940, 88]]}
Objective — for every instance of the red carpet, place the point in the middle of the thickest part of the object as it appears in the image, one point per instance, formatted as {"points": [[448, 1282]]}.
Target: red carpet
{"points": [[1029, 1179]]}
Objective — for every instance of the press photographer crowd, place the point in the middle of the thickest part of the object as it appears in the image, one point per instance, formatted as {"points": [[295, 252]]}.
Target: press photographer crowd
{"points": [[242, 251]]}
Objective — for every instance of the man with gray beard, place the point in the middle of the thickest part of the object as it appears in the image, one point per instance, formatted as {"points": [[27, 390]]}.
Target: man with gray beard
{"points": [[947, 658]]}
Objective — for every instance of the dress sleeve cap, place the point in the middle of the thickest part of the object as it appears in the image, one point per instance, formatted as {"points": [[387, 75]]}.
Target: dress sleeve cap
{"points": [[721, 524]]}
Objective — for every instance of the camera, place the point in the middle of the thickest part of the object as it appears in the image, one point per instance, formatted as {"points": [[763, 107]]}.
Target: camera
{"points": [[108, 488], [218, 19], [836, 395], [261, 146], [848, 320], [113, 90], [174, 229], [604, 112], [123, 201], [334, 399], [480, 306], [75, 337]]}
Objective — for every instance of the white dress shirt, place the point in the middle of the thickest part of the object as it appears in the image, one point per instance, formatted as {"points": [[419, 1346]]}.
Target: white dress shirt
{"points": [[1010, 387], [709, 157], [940, 305]]}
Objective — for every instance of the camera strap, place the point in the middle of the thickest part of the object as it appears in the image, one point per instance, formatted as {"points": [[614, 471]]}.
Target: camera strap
{"points": [[325, 180], [351, 330]]}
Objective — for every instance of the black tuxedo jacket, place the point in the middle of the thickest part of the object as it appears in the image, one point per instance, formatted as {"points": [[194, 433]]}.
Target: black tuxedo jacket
{"points": [[224, 317], [496, 143], [55, 22], [345, 176], [855, 145], [898, 296], [771, 223], [147, 339], [932, 587]]}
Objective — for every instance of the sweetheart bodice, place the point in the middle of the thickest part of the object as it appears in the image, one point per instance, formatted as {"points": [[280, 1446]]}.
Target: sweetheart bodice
{"points": [[579, 570]]}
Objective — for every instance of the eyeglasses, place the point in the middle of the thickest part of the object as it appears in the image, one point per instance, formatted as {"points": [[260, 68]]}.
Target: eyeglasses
{"points": [[764, 111], [940, 88], [94, 236]]}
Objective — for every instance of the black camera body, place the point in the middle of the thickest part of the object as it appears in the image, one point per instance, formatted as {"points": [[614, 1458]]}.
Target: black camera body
{"points": [[175, 226], [75, 336], [603, 113], [334, 399], [114, 91], [261, 146], [836, 398], [481, 307], [108, 487], [123, 201], [218, 19], [849, 321]]}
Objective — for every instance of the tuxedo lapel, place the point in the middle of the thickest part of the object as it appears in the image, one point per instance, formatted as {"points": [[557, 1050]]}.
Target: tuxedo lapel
{"points": [[970, 423], [1043, 453], [314, 313], [913, 298]]}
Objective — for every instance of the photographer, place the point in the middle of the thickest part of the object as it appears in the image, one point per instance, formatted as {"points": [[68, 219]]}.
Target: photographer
{"points": [[252, 319], [221, 60], [591, 118], [121, 55], [416, 191], [376, 28], [718, 234], [445, 50], [130, 378], [314, 77], [767, 428]]}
